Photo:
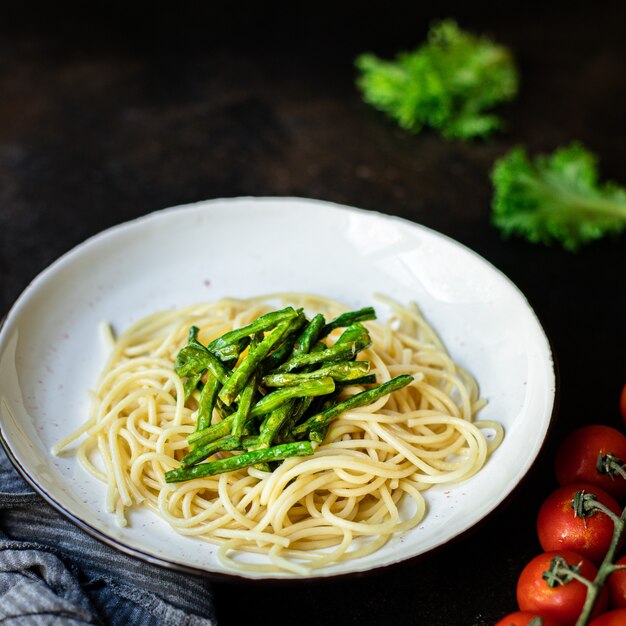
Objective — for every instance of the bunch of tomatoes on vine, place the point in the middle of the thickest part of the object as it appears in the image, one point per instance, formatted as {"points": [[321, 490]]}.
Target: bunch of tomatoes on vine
{"points": [[580, 578]]}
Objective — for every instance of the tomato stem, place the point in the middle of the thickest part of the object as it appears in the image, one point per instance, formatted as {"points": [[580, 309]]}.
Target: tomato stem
{"points": [[600, 507], [584, 505], [606, 567], [610, 465], [561, 573]]}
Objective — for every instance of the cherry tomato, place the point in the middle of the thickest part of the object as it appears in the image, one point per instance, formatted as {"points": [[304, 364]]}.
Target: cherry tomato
{"points": [[577, 458], [562, 602], [622, 402], [524, 618], [617, 587], [612, 618], [559, 528]]}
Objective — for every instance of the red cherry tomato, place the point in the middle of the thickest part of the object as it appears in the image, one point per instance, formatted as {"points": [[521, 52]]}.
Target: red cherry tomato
{"points": [[612, 618], [561, 602], [622, 402], [617, 587], [524, 618], [559, 528], [577, 458]]}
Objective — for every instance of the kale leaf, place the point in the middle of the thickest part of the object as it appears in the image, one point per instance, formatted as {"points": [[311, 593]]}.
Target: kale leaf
{"points": [[556, 197], [450, 83]]}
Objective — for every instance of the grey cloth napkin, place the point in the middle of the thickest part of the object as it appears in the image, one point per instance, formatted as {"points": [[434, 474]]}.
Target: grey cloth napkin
{"points": [[53, 574]]}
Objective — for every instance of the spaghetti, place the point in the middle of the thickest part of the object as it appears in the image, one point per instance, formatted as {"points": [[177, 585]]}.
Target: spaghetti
{"points": [[362, 485]]}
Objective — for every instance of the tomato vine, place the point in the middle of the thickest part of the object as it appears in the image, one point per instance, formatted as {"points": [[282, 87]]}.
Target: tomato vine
{"points": [[581, 526]]}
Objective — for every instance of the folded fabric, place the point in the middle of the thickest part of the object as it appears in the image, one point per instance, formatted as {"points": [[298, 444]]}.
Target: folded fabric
{"points": [[52, 573]]}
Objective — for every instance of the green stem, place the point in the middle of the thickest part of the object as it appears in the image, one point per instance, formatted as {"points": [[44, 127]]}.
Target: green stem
{"points": [[579, 577], [600, 507], [610, 465], [606, 567], [619, 469], [567, 198]]}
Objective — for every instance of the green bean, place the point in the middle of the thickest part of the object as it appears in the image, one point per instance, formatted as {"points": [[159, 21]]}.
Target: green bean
{"points": [[273, 423], [200, 453], [354, 339], [222, 410], [243, 409], [217, 431], [338, 352], [344, 371], [279, 422], [285, 353], [317, 422], [237, 381], [309, 335], [206, 402], [224, 354], [229, 354], [249, 442], [274, 399], [347, 319], [256, 339], [285, 346], [262, 323], [370, 379], [192, 335], [356, 333], [203, 452], [190, 384], [275, 453], [301, 405], [195, 358]]}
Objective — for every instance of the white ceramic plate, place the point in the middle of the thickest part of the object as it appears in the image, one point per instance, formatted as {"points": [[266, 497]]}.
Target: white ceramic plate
{"points": [[51, 352]]}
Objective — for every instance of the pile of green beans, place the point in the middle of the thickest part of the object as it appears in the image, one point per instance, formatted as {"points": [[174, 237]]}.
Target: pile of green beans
{"points": [[275, 385]]}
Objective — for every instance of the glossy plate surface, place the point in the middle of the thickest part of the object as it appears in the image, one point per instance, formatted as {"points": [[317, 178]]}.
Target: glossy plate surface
{"points": [[51, 350]]}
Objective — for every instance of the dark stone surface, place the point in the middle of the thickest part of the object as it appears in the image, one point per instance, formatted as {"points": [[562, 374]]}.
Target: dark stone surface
{"points": [[106, 117]]}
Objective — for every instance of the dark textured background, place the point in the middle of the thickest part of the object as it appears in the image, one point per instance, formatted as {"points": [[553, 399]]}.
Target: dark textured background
{"points": [[108, 115]]}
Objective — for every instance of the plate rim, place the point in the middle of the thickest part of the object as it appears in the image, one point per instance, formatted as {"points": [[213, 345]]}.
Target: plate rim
{"points": [[278, 577]]}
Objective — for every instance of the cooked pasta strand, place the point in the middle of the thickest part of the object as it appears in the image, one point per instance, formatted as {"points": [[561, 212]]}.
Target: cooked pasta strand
{"points": [[310, 512]]}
